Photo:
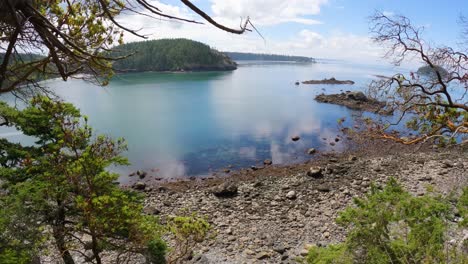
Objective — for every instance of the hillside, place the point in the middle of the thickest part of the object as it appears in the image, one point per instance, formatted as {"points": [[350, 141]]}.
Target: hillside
{"points": [[24, 57], [170, 55], [240, 56]]}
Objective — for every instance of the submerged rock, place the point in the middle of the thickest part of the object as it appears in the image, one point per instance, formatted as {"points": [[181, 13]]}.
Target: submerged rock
{"points": [[311, 151]]}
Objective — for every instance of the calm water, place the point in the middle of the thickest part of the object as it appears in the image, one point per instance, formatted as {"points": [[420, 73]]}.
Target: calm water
{"points": [[179, 124]]}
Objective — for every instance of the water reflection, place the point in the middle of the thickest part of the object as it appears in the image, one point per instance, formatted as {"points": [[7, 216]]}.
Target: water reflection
{"points": [[198, 123]]}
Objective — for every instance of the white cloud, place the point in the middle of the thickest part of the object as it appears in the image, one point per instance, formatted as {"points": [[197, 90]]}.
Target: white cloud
{"points": [[336, 45], [388, 13], [269, 12]]}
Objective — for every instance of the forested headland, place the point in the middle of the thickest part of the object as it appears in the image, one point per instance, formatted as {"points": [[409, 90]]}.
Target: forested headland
{"points": [[170, 55], [240, 56]]}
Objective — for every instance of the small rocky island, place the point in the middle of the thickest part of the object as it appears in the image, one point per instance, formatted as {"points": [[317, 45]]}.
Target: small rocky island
{"points": [[353, 100], [332, 80]]}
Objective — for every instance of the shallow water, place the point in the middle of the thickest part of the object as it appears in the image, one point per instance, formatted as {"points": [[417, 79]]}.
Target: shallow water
{"points": [[184, 124]]}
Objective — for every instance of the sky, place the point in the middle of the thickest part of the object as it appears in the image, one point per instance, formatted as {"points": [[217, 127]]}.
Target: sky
{"points": [[330, 29]]}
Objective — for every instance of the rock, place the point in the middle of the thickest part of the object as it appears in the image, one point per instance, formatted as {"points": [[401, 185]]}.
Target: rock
{"points": [[279, 248], [139, 186], [262, 255], [162, 189], [311, 151], [249, 252], [332, 144], [254, 168], [352, 158], [141, 174], [291, 195], [357, 96], [323, 188], [151, 210], [277, 198], [267, 162], [447, 164], [257, 184], [337, 139], [227, 170], [295, 138], [315, 172], [297, 83], [426, 178], [225, 189], [132, 174], [304, 252], [200, 259]]}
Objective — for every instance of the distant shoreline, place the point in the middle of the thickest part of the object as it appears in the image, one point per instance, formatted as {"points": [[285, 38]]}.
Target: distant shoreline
{"points": [[175, 71]]}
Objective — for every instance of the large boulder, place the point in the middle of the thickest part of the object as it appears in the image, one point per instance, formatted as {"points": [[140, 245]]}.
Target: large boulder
{"points": [[225, 189]]}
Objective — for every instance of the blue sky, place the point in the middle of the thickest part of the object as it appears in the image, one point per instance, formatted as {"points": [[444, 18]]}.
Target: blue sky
{"points": [[336, 29]]}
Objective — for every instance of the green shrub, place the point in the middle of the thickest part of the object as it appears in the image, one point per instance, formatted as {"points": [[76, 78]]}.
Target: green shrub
{"points": [[390, 225], [186, 232], [333, 254], [156, 251], [463, 207]]}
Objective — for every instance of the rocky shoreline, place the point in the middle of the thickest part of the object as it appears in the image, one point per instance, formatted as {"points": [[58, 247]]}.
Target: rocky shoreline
{"points": [[274, 214]]}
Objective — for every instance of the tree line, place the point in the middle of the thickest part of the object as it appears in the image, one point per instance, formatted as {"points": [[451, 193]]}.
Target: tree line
{"points": [[169, 55]]}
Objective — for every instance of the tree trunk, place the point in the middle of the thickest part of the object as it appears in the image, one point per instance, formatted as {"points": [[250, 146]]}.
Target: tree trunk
{"points": [[59, 235], [95, 249]]}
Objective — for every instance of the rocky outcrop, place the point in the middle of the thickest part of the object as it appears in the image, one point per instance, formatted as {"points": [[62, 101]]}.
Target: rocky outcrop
{"points": [[332, 80], [354, 100]]}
